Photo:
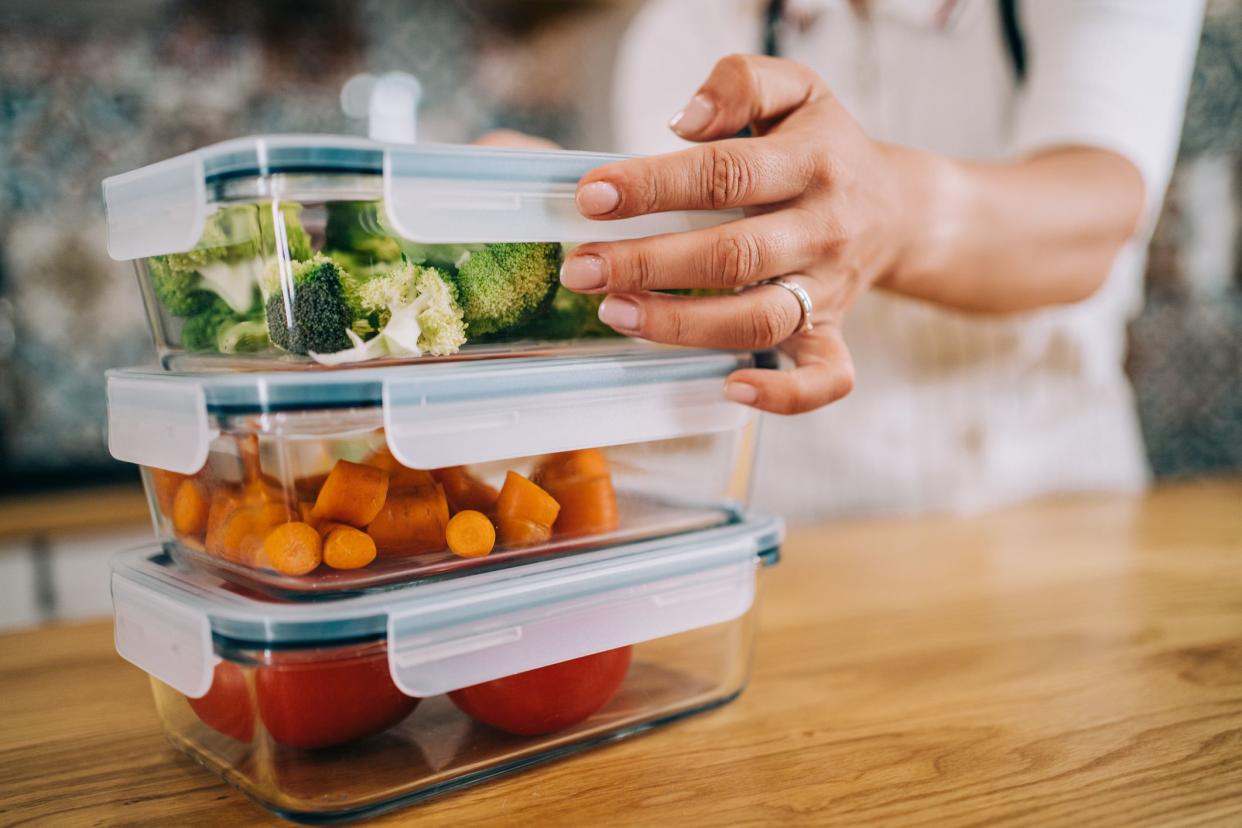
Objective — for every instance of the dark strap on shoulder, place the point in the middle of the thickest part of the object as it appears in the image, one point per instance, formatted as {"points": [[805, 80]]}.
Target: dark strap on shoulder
{"points": [[1014, 44], [771, 25], [1011, 29]]}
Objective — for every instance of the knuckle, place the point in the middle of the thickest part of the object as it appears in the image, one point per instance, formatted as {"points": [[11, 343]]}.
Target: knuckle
{"points": [[738, 258], [640, 271], [727, 178], [766, 325], [669, 325]]}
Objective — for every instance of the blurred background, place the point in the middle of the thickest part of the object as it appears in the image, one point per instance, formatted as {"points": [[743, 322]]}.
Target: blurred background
{"points": [[90, 89]]}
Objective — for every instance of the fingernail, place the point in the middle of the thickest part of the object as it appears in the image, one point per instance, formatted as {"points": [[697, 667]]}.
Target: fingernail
{"points": [[585, 272], [620, 313], [697, 115], [740, 392], [597, 198]]}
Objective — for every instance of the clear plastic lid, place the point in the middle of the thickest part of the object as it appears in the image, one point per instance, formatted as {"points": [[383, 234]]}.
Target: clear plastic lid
{"points": [[443, 414], [432, 193], [450, 634]]}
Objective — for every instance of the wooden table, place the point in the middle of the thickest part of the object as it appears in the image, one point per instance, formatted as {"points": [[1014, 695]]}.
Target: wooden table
{"points": [[1075, 661]]}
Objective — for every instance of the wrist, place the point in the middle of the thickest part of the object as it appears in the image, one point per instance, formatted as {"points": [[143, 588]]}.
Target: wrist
{"points": [[933, 204]]}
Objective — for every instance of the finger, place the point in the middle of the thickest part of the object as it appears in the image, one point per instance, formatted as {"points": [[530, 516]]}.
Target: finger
{"points": [[728, 256], [742, 172], [746, 89], [823, 373], [758, 318]]}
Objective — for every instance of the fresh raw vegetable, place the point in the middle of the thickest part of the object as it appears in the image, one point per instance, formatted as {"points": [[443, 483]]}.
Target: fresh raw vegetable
{"points": [[411, 522], [368, 295], [465, 491], [190, 509], [345, 547], [399, 476], [549, 698], [503, 286], [353, 493], [412, 310], [308, 703], [293, 548], [214, 286], [525, 513], [226, 707], [581, 482], [165, 484], [470, 534], [316, 317]]}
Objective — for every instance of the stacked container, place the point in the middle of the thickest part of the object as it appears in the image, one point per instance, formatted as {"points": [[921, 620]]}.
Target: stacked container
{"points": [[422, 520]]}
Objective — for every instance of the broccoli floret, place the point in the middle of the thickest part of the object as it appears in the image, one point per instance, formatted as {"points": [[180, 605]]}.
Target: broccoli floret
{"points": [[439, 255], [357, 237], [320, 313], [424, 293], [570, 316], [179, 291], [503, 285], [199, 332], [245, 336], [226, 261]]}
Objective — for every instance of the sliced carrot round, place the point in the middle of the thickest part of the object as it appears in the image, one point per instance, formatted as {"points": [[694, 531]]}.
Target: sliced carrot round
{"points": [[470, 534], [293, 548]]}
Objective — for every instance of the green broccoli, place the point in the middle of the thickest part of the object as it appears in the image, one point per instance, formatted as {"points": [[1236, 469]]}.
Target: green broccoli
{"points": [[320, 313], [570, 316], [503, 285], [179, 291], [244, 336], [226, 261], [199, 332], [421, 294], [356, 236]]}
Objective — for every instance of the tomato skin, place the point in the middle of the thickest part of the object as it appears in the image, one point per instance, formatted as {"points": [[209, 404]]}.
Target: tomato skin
{"points": [[549, 698], [319, 703], [226, 707]]}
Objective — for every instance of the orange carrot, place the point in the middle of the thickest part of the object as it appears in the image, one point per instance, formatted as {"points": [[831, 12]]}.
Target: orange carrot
{"points": [[353, 494], [525, 513], [465, 491], [470, 534], [293, 548], [411, 522], [190, 509], [399, 476], [345, 547], [582, 483], [165, 485], [224, 503]]}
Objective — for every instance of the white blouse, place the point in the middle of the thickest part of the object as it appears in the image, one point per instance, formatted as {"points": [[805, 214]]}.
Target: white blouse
{"points": [[953, 411]]}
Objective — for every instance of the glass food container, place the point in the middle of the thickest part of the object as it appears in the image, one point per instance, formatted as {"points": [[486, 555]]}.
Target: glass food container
{"points": [[345, 707], [308, 483], [303, 250]]}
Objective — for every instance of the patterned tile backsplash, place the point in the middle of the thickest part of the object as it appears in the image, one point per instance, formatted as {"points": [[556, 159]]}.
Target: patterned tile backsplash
{"points": [[87, 90]]}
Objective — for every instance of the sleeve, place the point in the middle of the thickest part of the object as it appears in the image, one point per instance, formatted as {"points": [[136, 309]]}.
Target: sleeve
{"points": [[1111, 74]]}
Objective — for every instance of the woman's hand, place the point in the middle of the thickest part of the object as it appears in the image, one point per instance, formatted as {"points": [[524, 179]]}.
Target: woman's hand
{"points": [[823, 206]]}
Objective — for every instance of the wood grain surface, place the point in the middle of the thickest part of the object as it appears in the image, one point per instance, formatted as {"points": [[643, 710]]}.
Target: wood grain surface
{"points": [[1076, 661], [76, 509]]}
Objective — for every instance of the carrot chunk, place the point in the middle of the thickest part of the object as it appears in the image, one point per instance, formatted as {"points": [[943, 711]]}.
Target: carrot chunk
{"points": [[470, 534], [411, 522], [399, 476], [345, 547], [353, 493], [582, 483], [465, 491], [293, 548], [165, 483], [190, 510], [525, 513]]}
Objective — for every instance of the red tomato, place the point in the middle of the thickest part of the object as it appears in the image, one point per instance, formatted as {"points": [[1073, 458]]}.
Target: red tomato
{"points": [[548, 698], [226, 707], [311, 702]]}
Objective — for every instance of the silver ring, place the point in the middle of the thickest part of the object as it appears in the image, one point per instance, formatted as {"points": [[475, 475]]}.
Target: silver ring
{"points": [[804, 300]]}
